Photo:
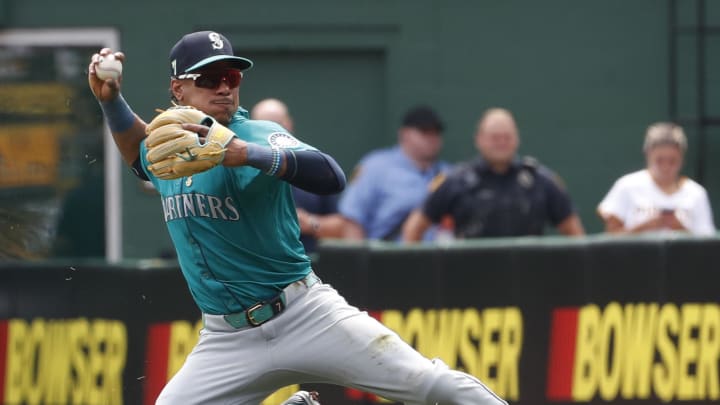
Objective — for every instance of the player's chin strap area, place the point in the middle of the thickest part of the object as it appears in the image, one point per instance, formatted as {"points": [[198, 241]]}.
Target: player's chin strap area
{"points": [[260, 312]]}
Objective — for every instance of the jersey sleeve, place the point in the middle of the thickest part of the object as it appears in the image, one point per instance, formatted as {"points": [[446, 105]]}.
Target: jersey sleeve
{"points": [[329, 204], [439, 200], [144, 165], [615, 202], [702, 224], [268, 133], [559, 204], [306, 167]]}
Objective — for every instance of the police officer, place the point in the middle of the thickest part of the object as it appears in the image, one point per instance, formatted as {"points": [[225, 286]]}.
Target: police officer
{"points": [[497, 194], [390, 183]]}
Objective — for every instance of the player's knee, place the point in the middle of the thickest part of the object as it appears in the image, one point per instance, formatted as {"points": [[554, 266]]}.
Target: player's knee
{"points": [[456, 388]]}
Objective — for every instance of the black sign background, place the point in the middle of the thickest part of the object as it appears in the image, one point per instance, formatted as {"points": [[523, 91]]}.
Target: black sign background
{"points": [[534, 276]]}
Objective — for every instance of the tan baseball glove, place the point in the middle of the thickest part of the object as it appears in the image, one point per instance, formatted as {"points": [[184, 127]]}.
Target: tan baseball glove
{"points": [[174, 152]]}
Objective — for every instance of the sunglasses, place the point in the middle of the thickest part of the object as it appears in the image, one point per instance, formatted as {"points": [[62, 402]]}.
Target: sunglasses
{"points": [[213, 79]]}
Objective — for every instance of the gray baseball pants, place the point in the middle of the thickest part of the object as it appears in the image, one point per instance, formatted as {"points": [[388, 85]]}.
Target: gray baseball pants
{"points": [[318, 338]]}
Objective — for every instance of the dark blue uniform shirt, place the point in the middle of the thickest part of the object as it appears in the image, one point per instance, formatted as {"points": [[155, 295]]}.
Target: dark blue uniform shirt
{"points": [[483, 203]]}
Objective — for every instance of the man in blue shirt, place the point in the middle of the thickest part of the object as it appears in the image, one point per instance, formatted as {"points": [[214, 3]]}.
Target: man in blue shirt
{"points": [[389, 183], [268, 319]]}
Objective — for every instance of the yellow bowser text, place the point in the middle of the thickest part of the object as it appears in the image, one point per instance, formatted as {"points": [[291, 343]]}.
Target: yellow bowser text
{"points": [[486, 344], [634, 350], [67, 361]]}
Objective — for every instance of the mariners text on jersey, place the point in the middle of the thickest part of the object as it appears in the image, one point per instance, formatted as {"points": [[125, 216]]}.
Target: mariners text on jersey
{"points": [[199, 205]]}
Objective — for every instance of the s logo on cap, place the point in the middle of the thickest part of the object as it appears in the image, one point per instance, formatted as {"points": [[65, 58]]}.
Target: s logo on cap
{"points": [[217, 42], [192, 53]]}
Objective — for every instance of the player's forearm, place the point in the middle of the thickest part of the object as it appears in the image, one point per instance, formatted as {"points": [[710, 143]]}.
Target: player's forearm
{"points": [[653, 224], [331, 226], [321, 226], [127, 129], [613, 224], [128, 142], [571, 226], [352, 230], [415, 226], [309, 170]]}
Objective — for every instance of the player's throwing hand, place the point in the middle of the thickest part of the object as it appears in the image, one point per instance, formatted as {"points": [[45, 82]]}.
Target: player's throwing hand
{"points": [[104, 90]]}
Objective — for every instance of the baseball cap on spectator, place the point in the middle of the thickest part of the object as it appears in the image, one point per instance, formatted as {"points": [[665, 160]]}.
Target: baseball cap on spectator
{"points": [[423, 118], [198, 49]]}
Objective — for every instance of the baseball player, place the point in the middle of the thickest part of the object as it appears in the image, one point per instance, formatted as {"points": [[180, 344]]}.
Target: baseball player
{"points": [[269, 321]]}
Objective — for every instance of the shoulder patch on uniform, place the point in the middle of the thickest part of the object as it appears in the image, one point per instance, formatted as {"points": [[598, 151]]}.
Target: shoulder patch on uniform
{"points": [[436, 182], [559, 181], [529, 161], [355, 173], [525, 178], [283, 140]]}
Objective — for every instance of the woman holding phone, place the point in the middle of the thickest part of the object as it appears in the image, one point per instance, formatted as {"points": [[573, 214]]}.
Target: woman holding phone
{"points": [[658, 198]]}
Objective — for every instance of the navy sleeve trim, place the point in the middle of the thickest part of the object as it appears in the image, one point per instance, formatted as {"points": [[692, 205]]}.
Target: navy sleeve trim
{"points": [[313, 171], [138, 170]]}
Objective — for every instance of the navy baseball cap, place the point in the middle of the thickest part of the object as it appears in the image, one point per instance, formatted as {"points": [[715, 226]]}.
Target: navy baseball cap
{"points": [[198, 49], [423, 118]]}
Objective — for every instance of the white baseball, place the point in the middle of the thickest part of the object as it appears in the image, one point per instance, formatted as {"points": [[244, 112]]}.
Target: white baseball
{"points": [[108, 67]]}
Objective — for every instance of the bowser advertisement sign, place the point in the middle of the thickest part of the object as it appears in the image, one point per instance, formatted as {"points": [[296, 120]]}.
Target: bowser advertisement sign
{"points": [[62, 361], [635, 351], [605, 324], [629, 353]]}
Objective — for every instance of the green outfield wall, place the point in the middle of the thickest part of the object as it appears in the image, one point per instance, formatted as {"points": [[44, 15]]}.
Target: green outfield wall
{"points": [[584, 79]]}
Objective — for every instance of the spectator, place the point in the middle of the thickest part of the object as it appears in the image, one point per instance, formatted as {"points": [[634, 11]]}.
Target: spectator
{"points": [[658, 198], [498, 194], [389, 183], [314, 210]]}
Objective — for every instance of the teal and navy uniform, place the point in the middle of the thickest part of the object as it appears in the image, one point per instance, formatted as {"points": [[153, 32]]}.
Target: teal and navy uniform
{"points": [[246, 216], [387, 187], [237, 239], [268, 320]]}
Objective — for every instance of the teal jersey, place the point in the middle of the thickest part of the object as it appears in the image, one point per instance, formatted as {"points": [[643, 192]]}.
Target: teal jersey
{"points": [[235, 229]]}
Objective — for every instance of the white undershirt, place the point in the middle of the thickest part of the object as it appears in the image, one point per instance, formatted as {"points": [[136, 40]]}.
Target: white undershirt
{"points": [[635, 198]]}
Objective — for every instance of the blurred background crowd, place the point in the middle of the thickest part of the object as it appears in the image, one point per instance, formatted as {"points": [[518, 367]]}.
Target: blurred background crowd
{"points": [[452, 120]]}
